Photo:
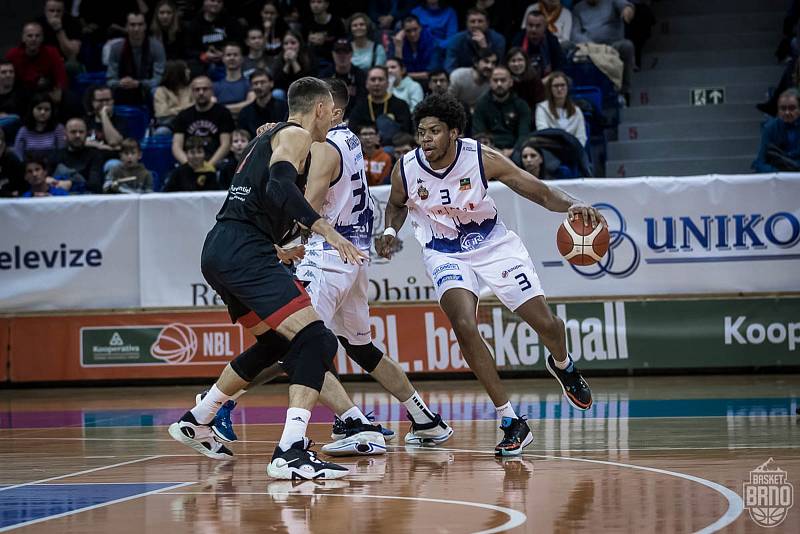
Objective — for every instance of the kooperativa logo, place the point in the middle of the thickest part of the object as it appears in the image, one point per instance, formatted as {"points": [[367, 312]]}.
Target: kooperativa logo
{"points": [[769, 495]]}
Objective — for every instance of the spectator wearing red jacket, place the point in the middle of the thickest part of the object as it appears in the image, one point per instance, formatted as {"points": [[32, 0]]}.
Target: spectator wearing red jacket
{"points": [[38, 67]]}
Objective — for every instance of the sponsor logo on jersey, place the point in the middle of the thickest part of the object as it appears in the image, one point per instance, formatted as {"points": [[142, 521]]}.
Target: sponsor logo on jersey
{"points": [[472, 241], [505, 273], [465, 184], [422, 192]]}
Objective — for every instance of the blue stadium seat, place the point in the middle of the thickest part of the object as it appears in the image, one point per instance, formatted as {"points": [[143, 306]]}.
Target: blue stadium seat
{"points": [[137, 118], [158, 159], [86, 79], [591, 94]]}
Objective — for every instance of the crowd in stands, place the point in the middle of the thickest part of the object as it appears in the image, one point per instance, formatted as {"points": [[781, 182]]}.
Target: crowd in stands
{"points": [[780, 135], [94, 87]]}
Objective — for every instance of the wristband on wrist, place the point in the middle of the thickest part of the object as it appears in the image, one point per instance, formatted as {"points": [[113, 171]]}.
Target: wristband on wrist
{"points": [[390, 231]]}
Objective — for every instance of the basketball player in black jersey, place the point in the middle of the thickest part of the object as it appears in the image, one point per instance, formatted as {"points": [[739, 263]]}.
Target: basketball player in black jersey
{"points": [[239, 260]]}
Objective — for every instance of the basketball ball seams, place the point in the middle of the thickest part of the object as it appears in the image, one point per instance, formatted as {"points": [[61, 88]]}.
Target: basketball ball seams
{"points": [[580, 244]]}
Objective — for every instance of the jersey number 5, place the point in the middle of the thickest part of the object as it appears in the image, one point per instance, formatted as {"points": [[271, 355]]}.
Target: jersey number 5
{"points": [[359, 193]]}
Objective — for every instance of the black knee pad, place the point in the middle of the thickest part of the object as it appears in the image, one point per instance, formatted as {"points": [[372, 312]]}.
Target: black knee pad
{"points": [[367, 356], [310, 356], [268, 349]]}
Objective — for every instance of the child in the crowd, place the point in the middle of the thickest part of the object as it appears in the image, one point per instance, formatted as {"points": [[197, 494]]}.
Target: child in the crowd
{"points": [[377, 163], [131, 176], [196, 174], [239, 140], [41, 184]]}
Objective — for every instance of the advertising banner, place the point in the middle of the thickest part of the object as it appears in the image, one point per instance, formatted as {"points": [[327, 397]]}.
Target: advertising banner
{"points": [[69, 253], [603, 335], [669, 236]]}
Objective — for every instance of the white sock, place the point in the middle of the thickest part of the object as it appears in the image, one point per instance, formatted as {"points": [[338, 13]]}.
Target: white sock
{"points": [[354, 413], [418, 410], [209, 405], [563, 364], [238, 394], [506, 411], [295, 428]]}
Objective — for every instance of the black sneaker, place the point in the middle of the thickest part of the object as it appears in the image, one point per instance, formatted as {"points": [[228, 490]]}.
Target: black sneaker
{"points": [[360, 439], [339, 432], [300, 462], [516, 436], [572, 383], [432, 433]]}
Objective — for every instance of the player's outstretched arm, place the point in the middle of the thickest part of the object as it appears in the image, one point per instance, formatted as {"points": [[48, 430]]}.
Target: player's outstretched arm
{"points": [[396, 212], [496, 165]]}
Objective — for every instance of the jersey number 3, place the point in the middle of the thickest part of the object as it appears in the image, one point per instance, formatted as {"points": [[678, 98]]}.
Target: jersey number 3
{"points": [[359, 193]]}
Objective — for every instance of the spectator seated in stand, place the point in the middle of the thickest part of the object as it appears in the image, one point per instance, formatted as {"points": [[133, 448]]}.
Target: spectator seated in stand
{"points": [[559, 111], [172, 96], [366, 52], [167, 28], [564, 156], [131, 176], [440, 20], [377, 162], [403, 143], [256, 57], [603, 22], [401, 85], [205, 35], [38, 67], [135, 64], [274, 27], [265, 108], [196, 174], [532, 160], [210, 121], [41, 133], [464, 46], [438, 83], [322, 28], [527, 84], [63, 32], [382, 109], [239, 140], [40, 185], [543, 49], [103, 126], [780, 137], [12, 171], [557, 16], [294, 62], [233, 91], [78, 163], [501, 113], [415, 46], [12, 101], [344, 70], [468, 84]]}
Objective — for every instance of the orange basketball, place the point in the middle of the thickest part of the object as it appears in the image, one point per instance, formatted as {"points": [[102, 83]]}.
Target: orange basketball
{"points": [[582, 245]]}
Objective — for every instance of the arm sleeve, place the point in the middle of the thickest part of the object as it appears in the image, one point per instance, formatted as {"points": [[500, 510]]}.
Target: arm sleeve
{"points": [[283, 191]]}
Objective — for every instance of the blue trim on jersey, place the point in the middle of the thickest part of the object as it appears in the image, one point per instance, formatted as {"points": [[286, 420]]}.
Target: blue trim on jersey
{"points": [[359, 233], [341, 161], [480, 166], [470, 236], [403, 175], [340, 127], [430, 171]]}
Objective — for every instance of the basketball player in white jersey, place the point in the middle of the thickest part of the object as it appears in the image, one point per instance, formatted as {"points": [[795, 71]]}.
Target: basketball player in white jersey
{"points": [[337, 189], [442, 186]]}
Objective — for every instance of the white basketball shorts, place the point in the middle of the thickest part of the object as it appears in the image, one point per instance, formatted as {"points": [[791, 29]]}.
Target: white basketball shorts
{"points": [[339, 293], [502, 263]]}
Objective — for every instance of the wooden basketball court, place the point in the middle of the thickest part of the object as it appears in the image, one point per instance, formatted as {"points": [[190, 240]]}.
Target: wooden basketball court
{"points": [[652, 455]]}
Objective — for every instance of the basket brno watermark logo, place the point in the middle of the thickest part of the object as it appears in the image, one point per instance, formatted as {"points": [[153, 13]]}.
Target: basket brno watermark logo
{"points": [[769, 495]]}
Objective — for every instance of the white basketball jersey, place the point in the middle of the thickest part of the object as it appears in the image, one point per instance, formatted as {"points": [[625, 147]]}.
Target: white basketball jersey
{"points": [[450, 209], [348, 205]]}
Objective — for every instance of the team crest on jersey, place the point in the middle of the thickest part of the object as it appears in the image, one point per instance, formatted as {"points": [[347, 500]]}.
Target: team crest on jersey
{"points": [[465, 184], [422, 192]]}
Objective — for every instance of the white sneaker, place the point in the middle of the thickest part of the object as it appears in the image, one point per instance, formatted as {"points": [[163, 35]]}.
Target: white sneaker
{"points": [[433, 433], [360, 444], [199, 437], [299, 462]]}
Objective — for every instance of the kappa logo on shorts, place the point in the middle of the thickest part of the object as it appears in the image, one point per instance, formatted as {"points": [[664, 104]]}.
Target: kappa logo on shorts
{"points": [[448, 278], [505, 273], [445, 267]]}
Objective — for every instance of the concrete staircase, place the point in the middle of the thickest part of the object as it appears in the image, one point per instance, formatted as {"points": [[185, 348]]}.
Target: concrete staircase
{"points": [[699, 44]]}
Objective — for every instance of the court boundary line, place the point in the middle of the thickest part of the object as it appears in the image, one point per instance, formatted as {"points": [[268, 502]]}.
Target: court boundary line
{"points": [[77, 473], [94, 506], [515, 517], [735, 502]]}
